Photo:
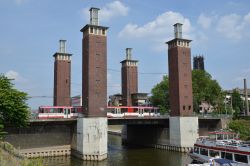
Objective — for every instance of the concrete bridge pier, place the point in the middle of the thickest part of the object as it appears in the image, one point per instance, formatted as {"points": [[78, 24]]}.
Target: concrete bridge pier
{"points": [[183, 132], [92, 139]]}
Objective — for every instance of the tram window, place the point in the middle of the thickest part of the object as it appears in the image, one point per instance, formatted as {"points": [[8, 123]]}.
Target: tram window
{"points": [[51, 110], [213, 153], [73, 110], [204, 152], [196, 150], [241, 158], [41, 110], [60, 110]]}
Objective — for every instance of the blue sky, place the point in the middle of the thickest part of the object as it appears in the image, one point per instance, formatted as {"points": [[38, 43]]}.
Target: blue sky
{"points": [[30, 31]]}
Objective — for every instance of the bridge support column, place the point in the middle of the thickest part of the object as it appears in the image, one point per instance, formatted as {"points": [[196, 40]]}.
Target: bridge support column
{"points": [[92, 138], [183, 131]]}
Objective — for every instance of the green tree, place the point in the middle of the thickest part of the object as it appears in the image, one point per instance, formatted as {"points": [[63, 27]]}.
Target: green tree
{"points": [[160, 95], [237, 103], [241, 127], [206, 89], [13, 106]]}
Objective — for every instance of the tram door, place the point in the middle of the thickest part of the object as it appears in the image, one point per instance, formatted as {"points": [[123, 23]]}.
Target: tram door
{"points": [[66, 112], [141, 111], [117, 112]]}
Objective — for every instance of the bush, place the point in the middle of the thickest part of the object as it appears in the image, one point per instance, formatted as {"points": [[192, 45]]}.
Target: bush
{"points": [[241, 127]]}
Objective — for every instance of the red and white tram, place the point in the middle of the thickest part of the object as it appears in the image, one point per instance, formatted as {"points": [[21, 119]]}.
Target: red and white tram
{"points": [[58, 112], [133, 111], [61, 112]]}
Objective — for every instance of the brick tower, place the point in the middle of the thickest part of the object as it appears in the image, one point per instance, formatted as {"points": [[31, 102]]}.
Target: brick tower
{"points": [[180, 75], [94, 68], [183, 129], [62, 76], [129, 78], [92, 138]]}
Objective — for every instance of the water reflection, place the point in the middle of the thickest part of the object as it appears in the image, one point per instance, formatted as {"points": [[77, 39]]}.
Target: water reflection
{"points": [[119, 155]]}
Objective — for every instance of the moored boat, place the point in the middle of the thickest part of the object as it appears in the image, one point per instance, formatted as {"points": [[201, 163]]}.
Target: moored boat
{"points": [[221, 144]]}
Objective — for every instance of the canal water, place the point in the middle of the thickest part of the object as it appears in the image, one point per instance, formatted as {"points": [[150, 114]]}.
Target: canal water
{"points": [[119, 155]]}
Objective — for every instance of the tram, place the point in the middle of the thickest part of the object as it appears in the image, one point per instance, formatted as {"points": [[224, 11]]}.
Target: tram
{"points": [[62, 112], [58, 112], [133, 111]]}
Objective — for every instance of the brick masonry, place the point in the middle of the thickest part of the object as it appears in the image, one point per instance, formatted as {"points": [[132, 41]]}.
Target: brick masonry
{"points": [[180, 78], [62, 80], [94, 70]]}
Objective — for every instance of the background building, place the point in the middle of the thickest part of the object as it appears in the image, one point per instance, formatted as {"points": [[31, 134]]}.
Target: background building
{"points": [[198, 63], [76, 100], [115, 100]]}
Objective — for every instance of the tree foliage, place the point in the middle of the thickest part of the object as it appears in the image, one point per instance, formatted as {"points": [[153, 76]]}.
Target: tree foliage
{"points": [[13, 106], [204, 89], [241, 127], [237, 103], [160, 95]]}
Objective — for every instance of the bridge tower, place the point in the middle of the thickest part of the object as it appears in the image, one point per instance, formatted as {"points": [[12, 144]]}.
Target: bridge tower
{"points": [[129, 78], [92, 128], [183, 127], [62, 76]]}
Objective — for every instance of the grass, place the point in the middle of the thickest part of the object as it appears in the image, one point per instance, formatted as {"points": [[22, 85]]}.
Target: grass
{"points": [[9, 156]]}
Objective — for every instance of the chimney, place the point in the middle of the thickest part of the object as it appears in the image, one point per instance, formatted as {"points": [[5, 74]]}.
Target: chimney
{"points": [[94, 20], [178, 30], [246, 97], [128, 53]]}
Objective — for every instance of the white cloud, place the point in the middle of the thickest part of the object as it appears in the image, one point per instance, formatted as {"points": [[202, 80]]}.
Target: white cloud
{"points": [[159, 30], [234, 26], [15, 75], [204, 21], [162, 25], [109, 11]]}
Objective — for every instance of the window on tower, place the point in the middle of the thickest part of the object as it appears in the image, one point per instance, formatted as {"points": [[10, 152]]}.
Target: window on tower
{"points": [[189, 107]]}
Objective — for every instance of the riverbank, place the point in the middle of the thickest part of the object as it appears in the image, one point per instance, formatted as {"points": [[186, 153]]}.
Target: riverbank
{"points": [[10, 156]]}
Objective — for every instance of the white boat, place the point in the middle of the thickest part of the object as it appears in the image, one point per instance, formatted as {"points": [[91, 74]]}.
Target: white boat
{"points": [[219, 162], [221, 144]]}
